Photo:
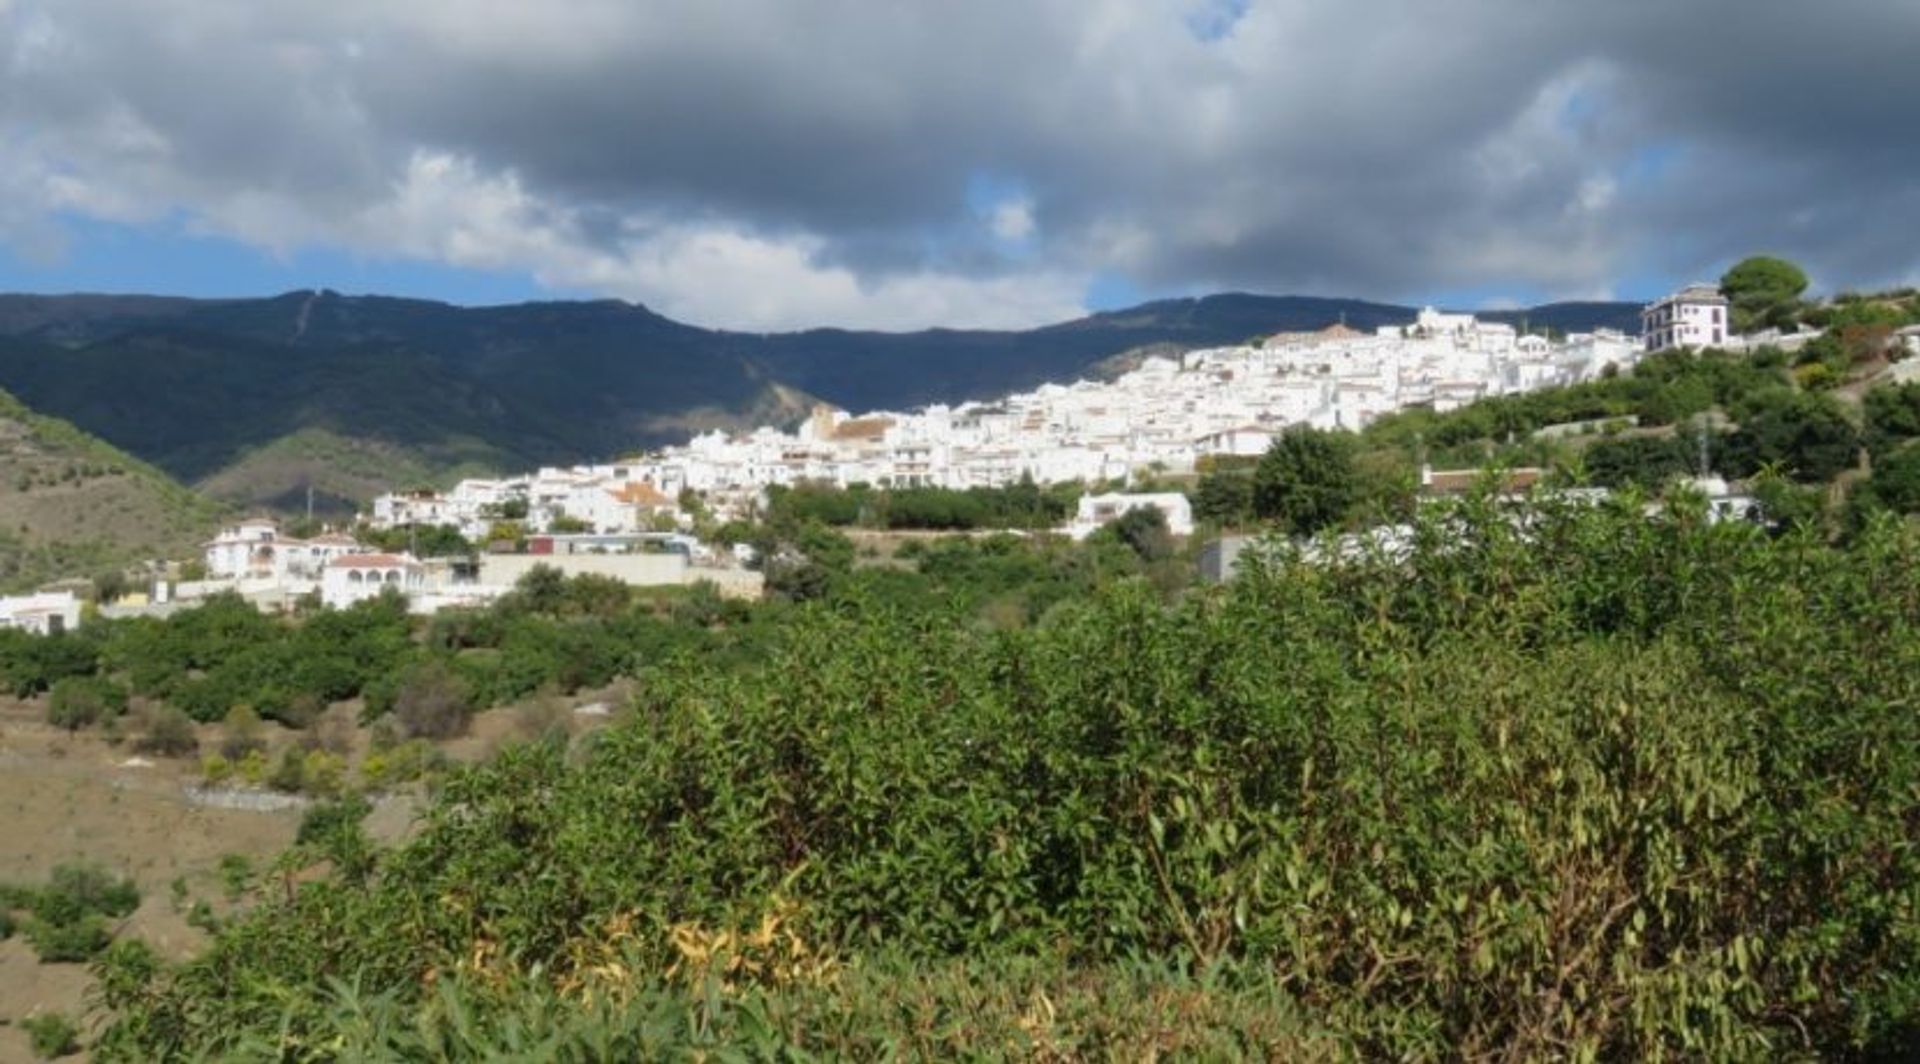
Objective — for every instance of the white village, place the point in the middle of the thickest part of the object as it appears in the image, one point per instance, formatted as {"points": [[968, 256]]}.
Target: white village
{"points": [[1165, 416]]}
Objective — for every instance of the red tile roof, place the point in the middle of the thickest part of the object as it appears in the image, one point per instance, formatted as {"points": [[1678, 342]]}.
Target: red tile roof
{"points": [[371, 561]]}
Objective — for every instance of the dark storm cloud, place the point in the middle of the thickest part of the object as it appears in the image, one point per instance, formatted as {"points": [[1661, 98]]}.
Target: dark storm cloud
{"points": [[829, 153]]}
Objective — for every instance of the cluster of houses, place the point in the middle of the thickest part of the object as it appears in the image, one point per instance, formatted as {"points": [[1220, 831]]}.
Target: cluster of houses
{"points": [[1164, 416], [625, 520], [263, 564], [1221, 559]]}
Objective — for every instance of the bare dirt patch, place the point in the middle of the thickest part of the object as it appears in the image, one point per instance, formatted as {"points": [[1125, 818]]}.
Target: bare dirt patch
{"points": [[74, 798]]}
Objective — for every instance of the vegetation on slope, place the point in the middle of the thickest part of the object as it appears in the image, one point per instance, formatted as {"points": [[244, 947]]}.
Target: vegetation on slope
{"points": [[1587, 785], [71, 504]]}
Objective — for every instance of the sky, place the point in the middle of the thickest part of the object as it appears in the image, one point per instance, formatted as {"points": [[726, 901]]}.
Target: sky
{"points": [[778, 164]]}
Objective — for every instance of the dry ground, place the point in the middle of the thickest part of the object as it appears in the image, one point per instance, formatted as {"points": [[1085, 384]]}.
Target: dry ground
{"points": [[75, 799], [66, 798]]}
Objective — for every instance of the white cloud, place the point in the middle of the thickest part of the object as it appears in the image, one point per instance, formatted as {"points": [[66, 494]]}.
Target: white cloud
{"points": [[445, 209]]}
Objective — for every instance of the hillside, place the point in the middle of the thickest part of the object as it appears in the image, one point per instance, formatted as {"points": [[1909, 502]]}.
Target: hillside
{"points": [[200, 387], [73, 505]]}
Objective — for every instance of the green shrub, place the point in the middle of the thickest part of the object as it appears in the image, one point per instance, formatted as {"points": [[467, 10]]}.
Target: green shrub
{"points": [[242, 727], [433, 702], [74, 942], [215, 770], [236, 874], [51, 1035], [77, 702], [1573, 783], [290, 775], [168, 733], [89, 888]]}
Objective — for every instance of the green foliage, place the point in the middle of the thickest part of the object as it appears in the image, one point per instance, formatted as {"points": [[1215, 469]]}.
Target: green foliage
{"points": [[1143, 530], [77, 702], [433, 701], [1306, 481], [236, 874], [1574, 786], [1892, 415], [1646, 461], [225, 654], [82, 888], [31, 664], [1895, 484], [242, 728], [69, 916], [423, 541], [167, 732], [110, 585], [1024, 505], [1896, 481], [1663, 389], [1808, 436], [802, 563], [51, 1035], [332, 831], [69, 943], [1224, 498], [1763, 291]]}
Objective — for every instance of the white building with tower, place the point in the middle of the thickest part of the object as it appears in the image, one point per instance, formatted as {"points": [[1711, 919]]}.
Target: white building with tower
{"points": [[1695, 316]]}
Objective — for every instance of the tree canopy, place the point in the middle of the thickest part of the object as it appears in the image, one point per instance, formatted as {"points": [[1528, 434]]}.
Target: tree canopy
{"points": [[1763, 290], [1306, 481]]}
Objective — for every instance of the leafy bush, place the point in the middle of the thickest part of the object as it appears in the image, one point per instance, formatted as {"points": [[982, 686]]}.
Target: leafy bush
{"points": [[51, 1035], [308, 771], [242, 726], [400, 763], [332, 831], [69, 943], [215, 770], [236, 873], [70, 914], [77, 702], [1568, 786], [1306, 481], [432, 701], [88, 889], [168, 733]]}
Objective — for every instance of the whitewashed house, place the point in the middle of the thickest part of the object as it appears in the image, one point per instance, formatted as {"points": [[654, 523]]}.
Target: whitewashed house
{"points": [[354, 578], [246, 549], [254, 550], [1695, 316], [1096, 511], [44, 613], [304, 559], [1243, 441]]}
